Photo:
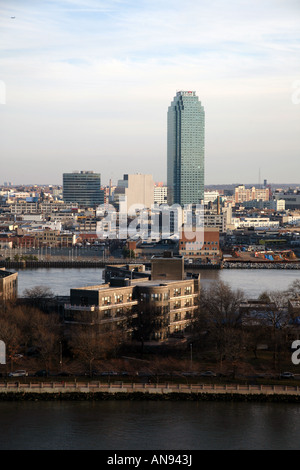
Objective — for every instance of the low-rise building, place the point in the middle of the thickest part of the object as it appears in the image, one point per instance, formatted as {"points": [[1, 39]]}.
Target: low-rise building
{"points": [[55, 238], [203, 248], [168, 304]]}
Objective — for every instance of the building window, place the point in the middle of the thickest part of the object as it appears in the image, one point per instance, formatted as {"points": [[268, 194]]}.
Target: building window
{"points": [[118, 298], [106, 300], [156, 296]]}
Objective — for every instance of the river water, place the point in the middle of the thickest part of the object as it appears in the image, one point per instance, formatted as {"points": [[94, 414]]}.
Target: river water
{"points": [[252, 281], [140, 425], [118, 425]]}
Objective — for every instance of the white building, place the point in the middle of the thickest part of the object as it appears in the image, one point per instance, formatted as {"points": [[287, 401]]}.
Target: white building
{"points": [[256, 222], [135, 190], [160, 195], [210, 196]]}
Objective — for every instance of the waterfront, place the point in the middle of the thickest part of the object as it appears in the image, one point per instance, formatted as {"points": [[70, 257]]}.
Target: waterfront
{"points": [[148, 426], [252, 281]]}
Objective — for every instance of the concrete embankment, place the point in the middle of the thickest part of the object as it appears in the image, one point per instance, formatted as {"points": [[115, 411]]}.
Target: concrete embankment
{"points": [[136, 391], [102, 264], [267, 265]]}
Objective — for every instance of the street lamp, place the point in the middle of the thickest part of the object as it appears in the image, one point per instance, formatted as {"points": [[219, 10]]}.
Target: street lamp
{"points": [[60, 354]]}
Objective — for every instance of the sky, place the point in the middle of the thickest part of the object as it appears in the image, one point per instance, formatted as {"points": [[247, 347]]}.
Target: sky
{"points": [[86, 85]]}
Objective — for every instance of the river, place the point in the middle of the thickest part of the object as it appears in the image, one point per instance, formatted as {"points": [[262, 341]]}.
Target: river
{"points": [[127, 425], [252, 281]]}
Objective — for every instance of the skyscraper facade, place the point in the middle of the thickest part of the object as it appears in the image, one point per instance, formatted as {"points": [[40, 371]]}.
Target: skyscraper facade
{"points": [[83, 188], [186, 125]]}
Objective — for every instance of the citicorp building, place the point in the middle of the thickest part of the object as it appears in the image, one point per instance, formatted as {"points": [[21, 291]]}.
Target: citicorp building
{"points": [[185, 149]]}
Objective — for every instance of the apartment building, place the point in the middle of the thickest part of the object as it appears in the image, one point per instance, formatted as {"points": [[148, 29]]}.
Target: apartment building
{"points": [[55, 238], [8, 285], [168, 304]]}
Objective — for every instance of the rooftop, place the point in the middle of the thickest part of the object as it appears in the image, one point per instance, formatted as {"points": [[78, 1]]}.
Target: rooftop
{"points": [[4, 273]]}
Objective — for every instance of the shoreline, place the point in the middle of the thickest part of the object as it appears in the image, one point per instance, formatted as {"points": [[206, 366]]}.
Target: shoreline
{"points": [[140, 396], [258, 265], [64, 391], [293, 265]]}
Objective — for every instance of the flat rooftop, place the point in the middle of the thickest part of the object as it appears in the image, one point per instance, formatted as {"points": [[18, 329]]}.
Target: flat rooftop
{"points": [[4, 273]]}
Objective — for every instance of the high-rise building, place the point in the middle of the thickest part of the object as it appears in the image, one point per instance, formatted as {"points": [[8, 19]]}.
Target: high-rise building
{"points": [[136, 189], [83, 188], [186, 124]]}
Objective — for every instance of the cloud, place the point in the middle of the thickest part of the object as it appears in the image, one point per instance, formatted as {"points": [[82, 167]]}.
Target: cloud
{"points": [[81, 73]]}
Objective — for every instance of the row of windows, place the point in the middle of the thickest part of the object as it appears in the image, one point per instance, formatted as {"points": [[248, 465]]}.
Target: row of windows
{"points": [[118, 298], [197, 243]]}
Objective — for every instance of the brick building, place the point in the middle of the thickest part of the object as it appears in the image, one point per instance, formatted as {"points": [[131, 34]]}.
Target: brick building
{"points": [[207, 248]]}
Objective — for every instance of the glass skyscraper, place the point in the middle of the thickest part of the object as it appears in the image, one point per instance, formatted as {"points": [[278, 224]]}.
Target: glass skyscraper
{"points": [[83, 187], [186, 124]]}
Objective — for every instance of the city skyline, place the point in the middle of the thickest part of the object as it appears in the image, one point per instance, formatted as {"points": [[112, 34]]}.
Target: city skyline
{"points": [[85, 85]]}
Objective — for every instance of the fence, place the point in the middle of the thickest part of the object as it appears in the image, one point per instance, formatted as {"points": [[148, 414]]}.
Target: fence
{"points": [[117, 387]]}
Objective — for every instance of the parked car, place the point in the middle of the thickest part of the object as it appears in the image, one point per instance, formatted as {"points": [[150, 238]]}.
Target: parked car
{"points": [[109, 373], [41, 373], [18, 373], [190, 374], [18, 356], [286, 375], [208, 373]]}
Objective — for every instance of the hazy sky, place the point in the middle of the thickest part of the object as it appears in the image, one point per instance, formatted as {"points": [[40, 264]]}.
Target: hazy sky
{"points": [[86, 85]]}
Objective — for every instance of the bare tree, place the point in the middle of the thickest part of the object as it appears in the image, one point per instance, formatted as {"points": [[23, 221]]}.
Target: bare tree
{"points": [[11, 335], [293, 291], [38, 292], [276, 321], [219, 314], [89, 344], [46, 336]]}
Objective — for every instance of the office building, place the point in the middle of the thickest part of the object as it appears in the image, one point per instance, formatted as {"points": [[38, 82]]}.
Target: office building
{"points": [[134, 190], [291, 198], [83, 188], [185, 147]]}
